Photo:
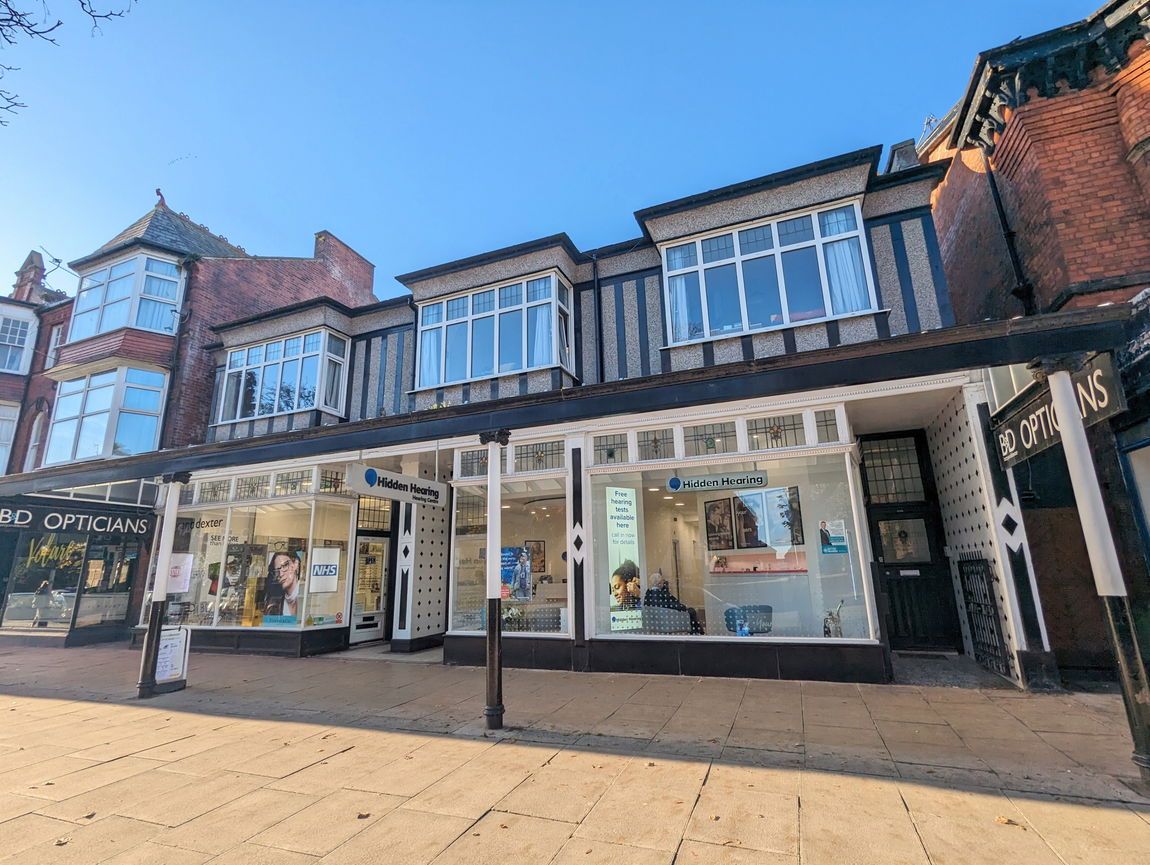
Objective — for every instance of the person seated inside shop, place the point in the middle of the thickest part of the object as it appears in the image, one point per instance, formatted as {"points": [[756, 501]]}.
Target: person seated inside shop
{"points": [[282, 585], [659, 594]]}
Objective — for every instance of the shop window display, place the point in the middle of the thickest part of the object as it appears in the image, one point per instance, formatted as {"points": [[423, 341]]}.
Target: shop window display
{"points": [[776, 557], [327, 569], [533, 558], [50, 570]]}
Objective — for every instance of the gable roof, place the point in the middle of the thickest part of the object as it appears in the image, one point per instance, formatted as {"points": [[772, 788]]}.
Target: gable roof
{"points": [[163, 228]]}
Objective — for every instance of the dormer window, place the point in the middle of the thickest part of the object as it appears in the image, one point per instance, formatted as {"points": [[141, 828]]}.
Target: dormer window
{"points": [[141, 292], [768, 274], [299, 373], [517, 327]]}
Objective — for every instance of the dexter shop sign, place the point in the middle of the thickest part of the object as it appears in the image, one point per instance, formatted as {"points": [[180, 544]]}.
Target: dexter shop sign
{"points": [[1032, 426]]}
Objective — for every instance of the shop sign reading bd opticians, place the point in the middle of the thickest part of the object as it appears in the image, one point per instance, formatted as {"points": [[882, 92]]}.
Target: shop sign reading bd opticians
{"points": [[1031, 427], [747, 481], [368, 481], [15, 515]]}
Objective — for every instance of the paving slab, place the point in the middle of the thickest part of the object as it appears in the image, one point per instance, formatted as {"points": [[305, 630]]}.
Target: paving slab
{"points": [[410, 837], [235, 822], [501, 838], [324, 825]]}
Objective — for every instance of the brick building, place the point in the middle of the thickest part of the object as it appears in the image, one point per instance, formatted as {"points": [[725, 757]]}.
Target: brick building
{"points": [[1045, 206], [125, 368]]}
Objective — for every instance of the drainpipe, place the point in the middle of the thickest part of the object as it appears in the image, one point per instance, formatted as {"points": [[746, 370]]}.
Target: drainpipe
{"points": [[598, 316], [1023, 289], [174, 362]]}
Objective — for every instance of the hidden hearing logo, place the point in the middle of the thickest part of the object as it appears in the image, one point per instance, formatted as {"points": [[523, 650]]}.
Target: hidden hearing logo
{"points": [[674, 484], [370, 477]]}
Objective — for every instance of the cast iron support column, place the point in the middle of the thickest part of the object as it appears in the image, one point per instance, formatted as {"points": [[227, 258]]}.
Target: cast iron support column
{"points": [[174, 485], [493, 711], [1104, 563]]}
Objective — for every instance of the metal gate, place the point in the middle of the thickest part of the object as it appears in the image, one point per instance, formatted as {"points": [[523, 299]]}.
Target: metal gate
{"points": [[982, 612]]}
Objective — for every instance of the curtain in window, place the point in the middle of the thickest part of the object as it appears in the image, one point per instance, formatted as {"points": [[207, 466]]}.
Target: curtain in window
{"points": [[684, 290], [539, 332], [154, 315], [429, 357], [846, 276]]}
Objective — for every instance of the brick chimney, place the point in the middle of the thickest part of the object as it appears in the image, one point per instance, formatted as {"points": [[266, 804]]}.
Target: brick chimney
{"points": [[30, 279], [347, 267]]}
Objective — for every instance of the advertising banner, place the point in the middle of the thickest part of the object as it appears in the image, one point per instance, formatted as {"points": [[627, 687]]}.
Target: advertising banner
{"points": [[623, 561], [323, 574]]}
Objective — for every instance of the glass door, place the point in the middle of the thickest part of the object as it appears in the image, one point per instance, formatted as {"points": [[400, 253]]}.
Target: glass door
{"points": [[368, 606]]}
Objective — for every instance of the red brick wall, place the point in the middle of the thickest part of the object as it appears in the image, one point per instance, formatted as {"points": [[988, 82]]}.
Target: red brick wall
{"points": [[226, 289], [1070, 194], [11, 387], [974, 255], [41, 389]]}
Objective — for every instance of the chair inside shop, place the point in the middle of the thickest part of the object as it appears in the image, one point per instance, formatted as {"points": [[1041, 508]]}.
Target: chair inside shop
{"points": [[660, 620], [757, 617]]}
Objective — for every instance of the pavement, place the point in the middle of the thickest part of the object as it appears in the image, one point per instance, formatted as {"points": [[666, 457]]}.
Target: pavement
{"points": [[342, 760]]}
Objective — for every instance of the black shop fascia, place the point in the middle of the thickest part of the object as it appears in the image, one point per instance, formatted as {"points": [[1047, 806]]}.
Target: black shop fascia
{"points": [[71, 570]]}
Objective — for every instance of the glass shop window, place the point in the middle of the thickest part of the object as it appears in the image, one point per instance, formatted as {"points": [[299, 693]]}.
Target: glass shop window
{"points": [[778, 560]]}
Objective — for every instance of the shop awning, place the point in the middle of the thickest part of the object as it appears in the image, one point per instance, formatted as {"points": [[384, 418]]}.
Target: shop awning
{"points": [[992, 343]]}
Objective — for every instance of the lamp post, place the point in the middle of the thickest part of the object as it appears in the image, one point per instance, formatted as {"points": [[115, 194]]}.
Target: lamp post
{"points": [[493, 711], [174, 485]]}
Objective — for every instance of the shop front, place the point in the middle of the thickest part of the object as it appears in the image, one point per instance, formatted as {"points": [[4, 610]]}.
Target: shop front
{"points": [[67, 571], [260, 562], [806, 537]]}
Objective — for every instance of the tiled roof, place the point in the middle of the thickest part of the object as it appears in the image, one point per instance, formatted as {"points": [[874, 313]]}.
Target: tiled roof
{"points": [[162, 227]]}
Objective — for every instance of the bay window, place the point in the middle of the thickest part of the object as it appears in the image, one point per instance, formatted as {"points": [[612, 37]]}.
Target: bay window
{"points": [[521, 326], [298, 373], [142, 292], [772, 274], [112, 413]]}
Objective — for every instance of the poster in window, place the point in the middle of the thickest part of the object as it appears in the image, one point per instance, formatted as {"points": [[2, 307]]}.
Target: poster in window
{"points": [[751, 525], [180, 573], [283, 595], [323, 570], [832, 537], [624, 567], [515, 574], [720, 524], [537, 552]]}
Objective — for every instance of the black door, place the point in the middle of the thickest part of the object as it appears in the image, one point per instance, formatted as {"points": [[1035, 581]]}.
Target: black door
{"points": [[906, 537]]}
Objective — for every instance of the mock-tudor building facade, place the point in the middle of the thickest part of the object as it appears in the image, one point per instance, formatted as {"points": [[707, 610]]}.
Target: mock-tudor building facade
{"points": [[750, 441]]}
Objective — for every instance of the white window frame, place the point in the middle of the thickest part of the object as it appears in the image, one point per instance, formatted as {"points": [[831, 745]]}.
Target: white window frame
{"points": [[27, 339], [9, 416], [549, 474], [135, 298], [55, 340], [777, 249], [119, 386], [558, 311], [324, 355]]}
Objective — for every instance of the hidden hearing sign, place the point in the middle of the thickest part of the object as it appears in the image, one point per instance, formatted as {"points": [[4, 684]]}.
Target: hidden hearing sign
{"points": [[1031, 426], [368, 481]]}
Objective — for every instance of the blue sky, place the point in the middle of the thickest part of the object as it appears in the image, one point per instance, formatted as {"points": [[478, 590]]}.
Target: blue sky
{"points": [[427, 131]]}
